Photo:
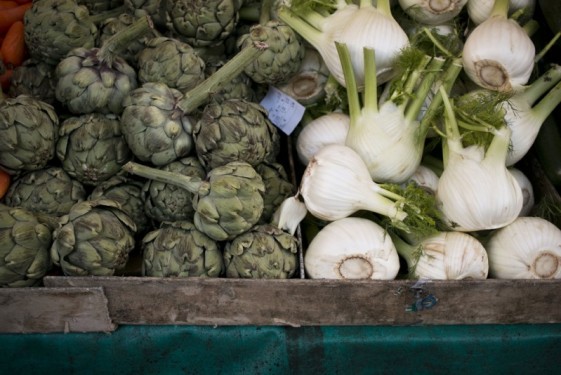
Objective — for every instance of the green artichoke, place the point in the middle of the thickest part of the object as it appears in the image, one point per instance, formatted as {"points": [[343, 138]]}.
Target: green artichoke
{"points": [[264, 252], [152, 8], [155, 129], [55, 27], [202, 22], [232, 204], [217, 55], [235, 130], [34, 78], [240, 87], [28, 133], [96, 79], [167, 202], [91, 147], [49, 190], [95, 238], [129, 194], [156, 118], [282, 59], [227, 203], [172, 62], [178, 249], [277, 188], [114, 25], [24, 248]]}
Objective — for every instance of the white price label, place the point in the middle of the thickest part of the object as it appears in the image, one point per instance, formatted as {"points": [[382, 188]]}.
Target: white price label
{"points": [[284, 111]]}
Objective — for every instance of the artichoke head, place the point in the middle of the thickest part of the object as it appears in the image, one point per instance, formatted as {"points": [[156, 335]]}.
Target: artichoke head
{"points": [[55, 27], [97, 79], [167, 202], [283, 58], [28, 133], [264, 252], [170, 61], [24, 248], [178, 249], [49, 190], [95, 238], [154, 128], [91, 147], [88, 83], [277, 188], [235, 130], [34, 78], [114, 25], [152, 8], [128, 192], [233, 202], [202, 22]]}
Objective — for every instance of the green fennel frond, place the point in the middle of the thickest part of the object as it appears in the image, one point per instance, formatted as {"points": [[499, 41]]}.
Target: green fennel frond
{"points": [[423, 216]]}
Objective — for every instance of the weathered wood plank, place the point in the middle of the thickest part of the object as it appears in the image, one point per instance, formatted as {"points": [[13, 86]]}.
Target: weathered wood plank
{"points": [[48, 310], [200, 301]]}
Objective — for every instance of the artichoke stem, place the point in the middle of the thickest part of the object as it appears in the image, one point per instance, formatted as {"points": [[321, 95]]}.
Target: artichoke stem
{"points": [[121, 40], [191, 184], [265, 11], [249, 13], [111, 13], [197, 96]]}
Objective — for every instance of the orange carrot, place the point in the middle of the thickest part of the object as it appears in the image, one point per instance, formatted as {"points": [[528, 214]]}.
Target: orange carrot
{"points": [[5, 4], [4, 182], [13, 46], [11, 15]]}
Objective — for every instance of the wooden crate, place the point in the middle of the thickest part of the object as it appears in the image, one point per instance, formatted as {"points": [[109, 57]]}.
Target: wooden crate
{"points": [[86, 304], [45, 310], [299, 302]]}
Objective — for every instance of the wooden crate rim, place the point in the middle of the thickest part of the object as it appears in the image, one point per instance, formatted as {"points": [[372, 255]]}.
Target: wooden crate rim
{"points": [[219, 280], [306, 302]]}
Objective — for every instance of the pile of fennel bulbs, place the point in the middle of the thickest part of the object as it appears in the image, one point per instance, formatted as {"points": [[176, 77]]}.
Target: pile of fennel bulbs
{"points": [[355, 224]]}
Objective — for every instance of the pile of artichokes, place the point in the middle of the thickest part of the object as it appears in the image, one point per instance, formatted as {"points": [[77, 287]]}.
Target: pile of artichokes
{"points": [[134, 129]]}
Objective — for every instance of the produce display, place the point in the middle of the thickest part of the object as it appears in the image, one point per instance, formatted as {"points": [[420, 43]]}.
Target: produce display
{"points": [[145, 129]]}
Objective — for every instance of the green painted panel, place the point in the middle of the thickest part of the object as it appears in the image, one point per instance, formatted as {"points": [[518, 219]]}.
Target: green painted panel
{"points": [[489, 349]]}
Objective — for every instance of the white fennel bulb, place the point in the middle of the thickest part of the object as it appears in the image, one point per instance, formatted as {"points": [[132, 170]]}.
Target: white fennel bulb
{"points": [[527, 190], [432, 12], [351, 248], [307, 85], [358, 26], [445, 256], [499, 54], [479, 10], [324, 130], [389, 139], [425, 178], [527, 110], [528, 248], [336, 184], [476, 191]]}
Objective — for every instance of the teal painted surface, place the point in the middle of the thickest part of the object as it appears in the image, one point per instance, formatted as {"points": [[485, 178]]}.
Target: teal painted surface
{"points": [[492, 349]]}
